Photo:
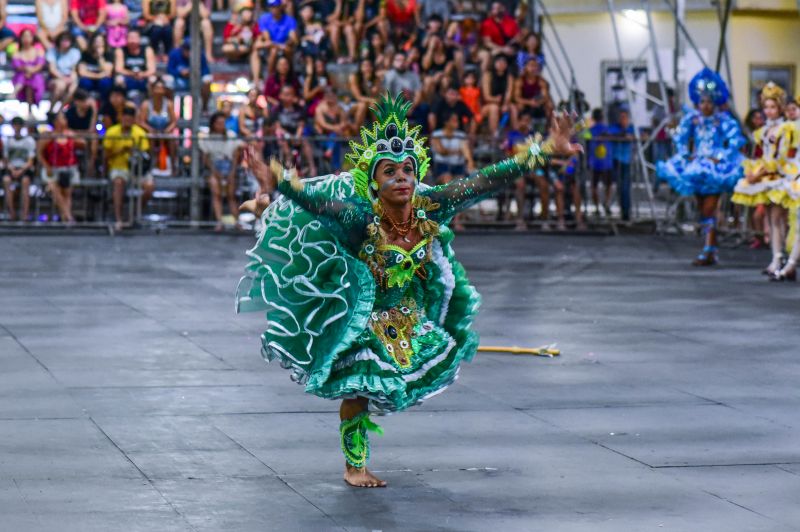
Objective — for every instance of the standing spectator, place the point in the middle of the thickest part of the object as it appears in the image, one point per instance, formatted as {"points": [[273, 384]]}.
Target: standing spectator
{"points": [[28, 63], [52, 16], [330, 120], [87, 16], [452, 157], [82, 120], [400, 80], [566, 179], [278, 35], [499, 31], [19, 154], [600, 160], [157, 117], [451, 104], [624, 135], [117, 20], [121, 142], [57, 153], [184, 12], [220, 150], [532, 93], [239, 35], [523, 129], [179, 67], [292, 118], [96, 69], [111, 111], [283, 75], [7, 35], [251, 116], [498, 91], [62, 64], [158, 16], [365, 86], [134, 64]]}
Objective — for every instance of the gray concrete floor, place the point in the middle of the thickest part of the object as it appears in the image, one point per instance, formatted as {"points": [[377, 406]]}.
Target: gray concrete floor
{"points": [[133, 398]]}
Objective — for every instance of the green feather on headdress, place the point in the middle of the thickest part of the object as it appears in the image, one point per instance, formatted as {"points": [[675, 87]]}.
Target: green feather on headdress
{"points": [[390, 137]]}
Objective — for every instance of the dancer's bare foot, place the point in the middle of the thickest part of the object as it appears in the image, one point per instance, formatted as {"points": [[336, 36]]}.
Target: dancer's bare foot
{"points": [[362, 478]]}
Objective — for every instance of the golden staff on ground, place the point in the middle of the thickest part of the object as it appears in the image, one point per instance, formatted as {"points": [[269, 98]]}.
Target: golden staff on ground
{"points": [[544, 351]]}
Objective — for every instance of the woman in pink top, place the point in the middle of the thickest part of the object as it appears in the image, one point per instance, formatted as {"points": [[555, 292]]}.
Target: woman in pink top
{"points": [[28, 64], [117, 19]]}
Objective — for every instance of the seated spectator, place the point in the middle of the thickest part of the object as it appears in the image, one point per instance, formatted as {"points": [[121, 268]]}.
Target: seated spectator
{"points": [[7, 35], [498, 93], [531, 49], [87, 17], [283, 75], [251, 116], [53, 17], [220, 149], [378, 53], [292, 118], [370, 19], [231, 120], [330, 120], [82, 120], [183, 14], [452, 157], [239, 35], [403, 22], [158, 16], [135, 64], [400, 80], [314, 85], [62, 62], [57, 154], [179, 67], [465, 37], [471, 96], [277, 36], [28, 63], [96, 69], [19, 156], [365, 87], [135, 13], [426, 9], [313, 40], [565, 179], [451, 104], [437, 67], [157, 117], [499, 33], [532, 93], [111, 110], [121, 143], [117, 20], [338, 17]]}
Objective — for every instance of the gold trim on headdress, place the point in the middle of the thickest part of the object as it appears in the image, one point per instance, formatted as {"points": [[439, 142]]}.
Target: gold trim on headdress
{"points": [[771, 91]]}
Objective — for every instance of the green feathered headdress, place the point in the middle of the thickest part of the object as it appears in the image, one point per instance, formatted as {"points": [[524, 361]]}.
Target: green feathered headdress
{"points": [[388, 138]]}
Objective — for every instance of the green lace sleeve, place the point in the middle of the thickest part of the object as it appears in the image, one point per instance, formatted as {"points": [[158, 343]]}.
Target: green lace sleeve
{"points": [[331, 202], [460, 194]]}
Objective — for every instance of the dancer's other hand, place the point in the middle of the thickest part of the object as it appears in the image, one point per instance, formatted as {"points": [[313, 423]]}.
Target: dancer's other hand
{"points": [[257, 205], [560, 136]]}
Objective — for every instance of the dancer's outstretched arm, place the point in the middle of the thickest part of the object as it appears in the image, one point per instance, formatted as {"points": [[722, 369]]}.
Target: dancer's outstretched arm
{"points": [[461, 194]]}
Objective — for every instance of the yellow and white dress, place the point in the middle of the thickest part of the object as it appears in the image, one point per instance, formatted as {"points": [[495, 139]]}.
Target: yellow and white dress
{"points": [[775, 156], [790, 168]]}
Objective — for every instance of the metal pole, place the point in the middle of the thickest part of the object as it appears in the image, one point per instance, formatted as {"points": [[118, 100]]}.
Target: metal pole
{"points": [[629, 96], [196, 80], [722, 52]]}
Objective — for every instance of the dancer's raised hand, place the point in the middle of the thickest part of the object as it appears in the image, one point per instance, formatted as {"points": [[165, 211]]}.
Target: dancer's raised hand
{"points": [[561, 130]]}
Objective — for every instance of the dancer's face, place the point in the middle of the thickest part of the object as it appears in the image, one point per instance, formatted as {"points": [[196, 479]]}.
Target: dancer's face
{"points": [[771, 110], [706, 106], [396, 181]]}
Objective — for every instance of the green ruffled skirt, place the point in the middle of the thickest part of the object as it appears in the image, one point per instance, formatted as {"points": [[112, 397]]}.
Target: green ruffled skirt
{"points": [[319, 299]]}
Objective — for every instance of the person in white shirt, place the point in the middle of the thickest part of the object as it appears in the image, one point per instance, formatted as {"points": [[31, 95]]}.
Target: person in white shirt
{"points": [[19, 154], [221, 150]]}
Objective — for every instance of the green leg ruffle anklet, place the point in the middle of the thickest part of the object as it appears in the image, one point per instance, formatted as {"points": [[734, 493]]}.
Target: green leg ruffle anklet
{"points": [[355, 441]]}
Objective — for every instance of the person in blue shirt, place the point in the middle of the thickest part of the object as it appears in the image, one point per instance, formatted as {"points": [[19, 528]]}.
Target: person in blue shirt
{"points": [[707, 161], [179, 68], [599, 160], [622, 149], [278, 36]]}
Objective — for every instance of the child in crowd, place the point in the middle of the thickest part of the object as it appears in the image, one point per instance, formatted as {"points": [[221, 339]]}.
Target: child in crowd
{"points": [[516, 136], [600, 160], [624, 135], [19, 154], [117, 20], [292, 118], [471, 95]]}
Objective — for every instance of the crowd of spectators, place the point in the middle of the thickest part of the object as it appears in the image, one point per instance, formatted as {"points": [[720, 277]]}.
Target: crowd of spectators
{"points": [[472, 71]]}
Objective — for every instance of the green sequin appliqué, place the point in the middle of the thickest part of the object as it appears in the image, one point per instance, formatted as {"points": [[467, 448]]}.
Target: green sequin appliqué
{"points": [[355, 440]]}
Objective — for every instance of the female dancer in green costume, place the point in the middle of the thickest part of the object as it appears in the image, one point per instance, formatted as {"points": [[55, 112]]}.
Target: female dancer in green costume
{"points": [[364, 298]]}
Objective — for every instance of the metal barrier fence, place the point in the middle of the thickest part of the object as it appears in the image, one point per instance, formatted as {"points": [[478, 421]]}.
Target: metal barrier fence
{"points": [[173, 187]]}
